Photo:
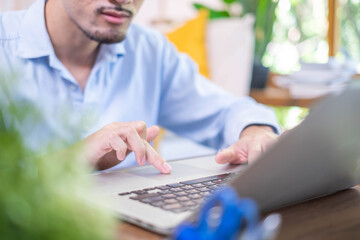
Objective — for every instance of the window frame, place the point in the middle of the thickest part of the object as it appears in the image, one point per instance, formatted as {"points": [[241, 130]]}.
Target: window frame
{"points": [[334, 27]]}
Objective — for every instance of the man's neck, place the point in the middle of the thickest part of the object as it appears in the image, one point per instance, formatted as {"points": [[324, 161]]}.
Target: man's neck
{"points": [[71, 45]]}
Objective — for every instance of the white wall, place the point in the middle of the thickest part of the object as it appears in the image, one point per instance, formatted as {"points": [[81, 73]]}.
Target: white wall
{"points": [[175, 10], [7, 5]]}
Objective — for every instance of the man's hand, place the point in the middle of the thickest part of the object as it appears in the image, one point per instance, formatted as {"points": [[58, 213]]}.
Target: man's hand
{"points": [[111, 144], [252, 142]]}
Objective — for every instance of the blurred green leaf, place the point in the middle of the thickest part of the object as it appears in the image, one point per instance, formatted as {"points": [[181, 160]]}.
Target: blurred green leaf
{"points": [[264, 23], [213, 14], [350, 27], [249, 6], [229, 1], [41, 197], [290, 117]]}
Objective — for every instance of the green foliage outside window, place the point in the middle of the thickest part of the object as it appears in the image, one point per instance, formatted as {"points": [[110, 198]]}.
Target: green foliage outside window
{"points": [[299, 34], [290, 117], [350, 30]]}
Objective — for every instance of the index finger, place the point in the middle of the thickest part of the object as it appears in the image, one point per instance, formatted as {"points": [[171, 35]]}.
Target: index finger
{"points": [[227, 155], [156, 160], [140, 127], [134, 142]]}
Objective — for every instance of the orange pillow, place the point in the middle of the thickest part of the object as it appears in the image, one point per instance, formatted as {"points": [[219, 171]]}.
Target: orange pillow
{"points": [[191, 39]]}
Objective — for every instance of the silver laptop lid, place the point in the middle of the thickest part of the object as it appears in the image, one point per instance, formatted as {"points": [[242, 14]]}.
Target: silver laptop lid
{"points": [[319, 157]]}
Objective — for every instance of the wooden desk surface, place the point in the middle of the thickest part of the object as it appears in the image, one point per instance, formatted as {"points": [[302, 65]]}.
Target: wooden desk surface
{"points": [[332, 217], [276, 96]]}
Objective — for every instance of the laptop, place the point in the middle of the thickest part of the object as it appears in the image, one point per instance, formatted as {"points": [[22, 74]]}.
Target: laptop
{"points": [[319, 157]]}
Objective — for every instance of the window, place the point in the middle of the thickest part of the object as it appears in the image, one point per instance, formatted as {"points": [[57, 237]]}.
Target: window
{"points": [[300, 34], [349, 20]]}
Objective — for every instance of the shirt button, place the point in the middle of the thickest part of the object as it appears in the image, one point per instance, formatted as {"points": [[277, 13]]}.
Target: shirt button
{"points": [[73, 87]]}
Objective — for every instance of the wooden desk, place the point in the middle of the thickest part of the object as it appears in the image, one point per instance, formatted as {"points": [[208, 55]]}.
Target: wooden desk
{"points": [[332, 217], [276, 96]]}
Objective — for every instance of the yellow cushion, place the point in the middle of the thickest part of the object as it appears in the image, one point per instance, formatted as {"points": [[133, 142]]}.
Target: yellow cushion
{"points": [[190, 39]]}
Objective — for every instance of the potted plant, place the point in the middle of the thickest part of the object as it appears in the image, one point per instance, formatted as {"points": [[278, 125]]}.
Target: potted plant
{"points": [[264, 12]]}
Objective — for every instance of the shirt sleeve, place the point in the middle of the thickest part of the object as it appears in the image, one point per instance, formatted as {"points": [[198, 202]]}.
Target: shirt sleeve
{"points": [[194, 107]]}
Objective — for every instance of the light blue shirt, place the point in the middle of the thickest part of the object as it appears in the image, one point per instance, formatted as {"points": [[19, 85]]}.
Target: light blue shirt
{"points": [[142, 78]]}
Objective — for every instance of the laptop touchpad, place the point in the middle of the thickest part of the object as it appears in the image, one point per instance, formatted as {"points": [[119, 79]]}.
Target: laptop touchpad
{"points": [[179, 171]]}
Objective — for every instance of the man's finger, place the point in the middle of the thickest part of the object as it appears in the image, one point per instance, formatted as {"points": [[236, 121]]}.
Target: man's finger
{"points": [[141, 128], [156, 160], [107, 161], [226, 156], [119, 146], [254, 152], [152, 133], [134, 142]]}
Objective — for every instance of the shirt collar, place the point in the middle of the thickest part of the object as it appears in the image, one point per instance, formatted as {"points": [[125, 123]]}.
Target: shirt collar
{"points": [[35, 41], [34, 38]]}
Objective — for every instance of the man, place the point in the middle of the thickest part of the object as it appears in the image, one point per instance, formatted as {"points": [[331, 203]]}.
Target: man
{"points": [[85, 55]]}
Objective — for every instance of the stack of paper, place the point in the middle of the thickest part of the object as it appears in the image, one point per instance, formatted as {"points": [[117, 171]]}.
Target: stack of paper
{"points": [[315, 80]]}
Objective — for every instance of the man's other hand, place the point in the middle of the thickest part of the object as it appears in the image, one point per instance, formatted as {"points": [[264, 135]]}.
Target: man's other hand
{"points": [[111, 144], [252, 142]]}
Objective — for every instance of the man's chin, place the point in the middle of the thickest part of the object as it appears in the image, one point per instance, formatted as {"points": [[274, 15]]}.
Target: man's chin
{"points": [[109, 40], [109, 37]]}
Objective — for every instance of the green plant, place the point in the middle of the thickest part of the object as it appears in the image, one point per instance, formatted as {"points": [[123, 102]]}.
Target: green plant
{"points": [[264, 12], [40, 197], [265, 18], [290, 117], [350, 30]]}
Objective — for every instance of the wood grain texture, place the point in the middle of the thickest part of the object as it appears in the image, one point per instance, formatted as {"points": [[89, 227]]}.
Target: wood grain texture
{"points": [[332, 217], [128, 231], [276, 96]]}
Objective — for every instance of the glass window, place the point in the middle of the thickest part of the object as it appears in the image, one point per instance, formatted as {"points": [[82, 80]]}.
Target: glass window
{"points": [[350, 31], [299, 34]]}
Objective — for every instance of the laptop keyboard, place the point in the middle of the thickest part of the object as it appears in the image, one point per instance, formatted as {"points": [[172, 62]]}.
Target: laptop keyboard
{"points": [[182, 196]]}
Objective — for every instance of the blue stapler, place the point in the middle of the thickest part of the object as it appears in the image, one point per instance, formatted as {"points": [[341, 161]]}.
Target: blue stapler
{"points": [[225, 216]]}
